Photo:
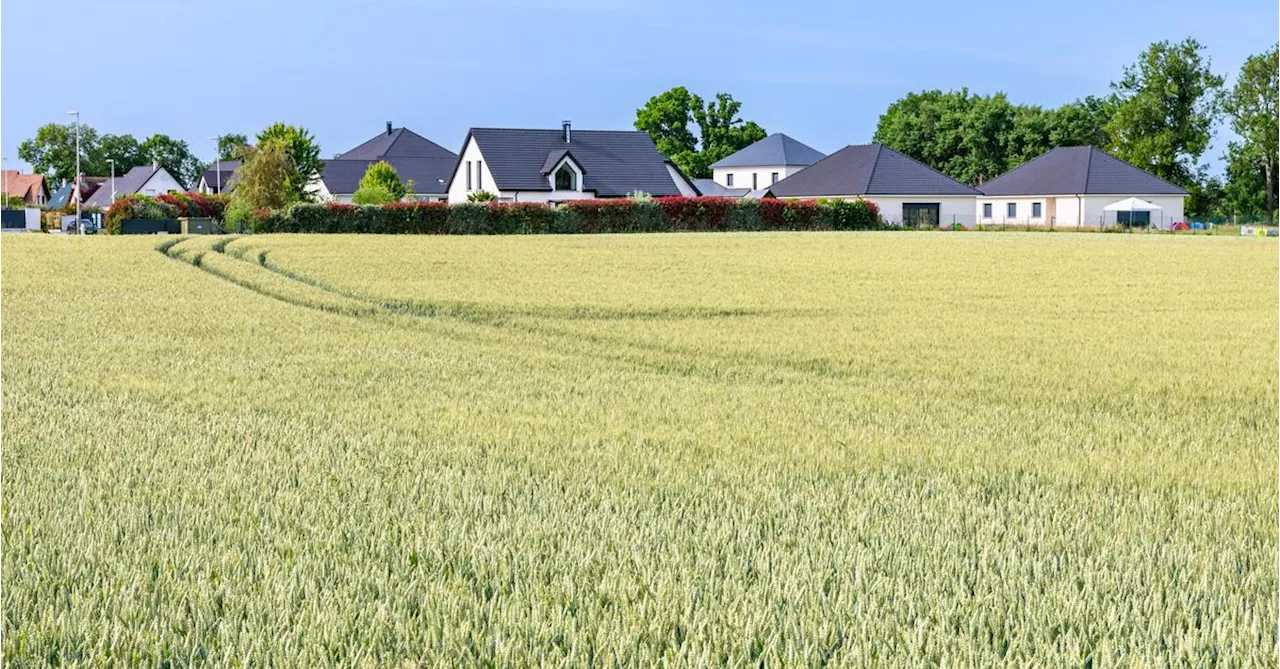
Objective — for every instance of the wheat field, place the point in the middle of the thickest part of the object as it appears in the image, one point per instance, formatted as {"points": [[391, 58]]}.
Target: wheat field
{"points": [[866, 449]]}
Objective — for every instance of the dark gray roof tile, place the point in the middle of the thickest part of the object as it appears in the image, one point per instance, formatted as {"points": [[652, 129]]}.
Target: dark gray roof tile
{"points": [[868, 169], [1078, 170], [615, 162], [776, 149]]}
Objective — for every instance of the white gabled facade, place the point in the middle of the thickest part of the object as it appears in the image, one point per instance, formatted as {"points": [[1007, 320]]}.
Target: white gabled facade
{"points": [[161, 182], [471, 175], [753, 177]]}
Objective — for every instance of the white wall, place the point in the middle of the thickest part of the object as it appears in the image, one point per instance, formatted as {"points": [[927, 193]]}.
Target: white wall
{"points": [[1000, 210], [160, 183], [458, 190], [686, 189], [958, 209], [742, 175], [1072, 211], [1171, 208]]}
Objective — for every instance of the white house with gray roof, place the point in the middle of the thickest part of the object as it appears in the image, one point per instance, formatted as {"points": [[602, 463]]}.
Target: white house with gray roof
{"points": [[761, 165], [529, 165], [149, 180], [906, 190], [1072, 186], [415, 158]]}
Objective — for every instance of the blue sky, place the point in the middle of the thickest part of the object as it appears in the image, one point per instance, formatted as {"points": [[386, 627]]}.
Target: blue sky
{"points": [[822, 72]]}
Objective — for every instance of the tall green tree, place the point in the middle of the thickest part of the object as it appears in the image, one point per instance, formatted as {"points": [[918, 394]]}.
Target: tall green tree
{"points": [[231, 147], [264, 178], [303, 152], [1163, 110], [1253, 109], [123, 149], [174, 155], [380, 183], [667, 118], [52, 152]]}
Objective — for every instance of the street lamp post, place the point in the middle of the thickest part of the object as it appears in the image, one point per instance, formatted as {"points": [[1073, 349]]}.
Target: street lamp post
{"points": [[4, 185], [78, 180], [217, 161], [112, 162]]}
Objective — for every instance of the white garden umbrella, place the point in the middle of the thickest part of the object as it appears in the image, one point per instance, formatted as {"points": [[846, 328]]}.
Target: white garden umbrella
{"points": [[1132, 204]]}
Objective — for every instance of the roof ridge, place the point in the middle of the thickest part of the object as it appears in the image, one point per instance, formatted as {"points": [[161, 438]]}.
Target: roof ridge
{"points": [[1088, 167], [871, 175]]}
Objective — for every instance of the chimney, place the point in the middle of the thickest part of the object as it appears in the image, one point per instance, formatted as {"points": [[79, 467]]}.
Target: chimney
{"points": [[388, 127], [565, 125]]}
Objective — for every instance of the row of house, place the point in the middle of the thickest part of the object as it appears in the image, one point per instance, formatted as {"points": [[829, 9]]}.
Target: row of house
{"points": [[1067, 186]]}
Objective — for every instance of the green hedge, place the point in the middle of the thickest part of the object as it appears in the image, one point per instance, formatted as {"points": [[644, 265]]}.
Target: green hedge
{"points": [[668, 214]]}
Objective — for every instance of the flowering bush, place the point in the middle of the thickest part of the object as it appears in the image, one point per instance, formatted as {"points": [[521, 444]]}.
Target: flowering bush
{"points": [[621, 215], [138, 206]]}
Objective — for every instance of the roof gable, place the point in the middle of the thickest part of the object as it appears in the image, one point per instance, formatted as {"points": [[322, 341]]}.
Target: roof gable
{"points": [[868, 169], [399, 143], [776, 149], [125, 184], [1078, 170], [613, 162]]}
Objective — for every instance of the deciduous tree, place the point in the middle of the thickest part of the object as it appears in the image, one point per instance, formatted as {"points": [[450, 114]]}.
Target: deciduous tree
{"points": [[1163, 110], [721, 132], [303, 152], [1252, 107]]}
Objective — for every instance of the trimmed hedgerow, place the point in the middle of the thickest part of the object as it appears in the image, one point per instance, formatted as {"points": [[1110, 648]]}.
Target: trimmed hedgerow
{"points": [[668, 214]]}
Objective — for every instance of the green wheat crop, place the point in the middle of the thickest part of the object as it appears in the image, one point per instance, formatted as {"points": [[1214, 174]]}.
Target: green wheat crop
{"points": [[834, 449]]}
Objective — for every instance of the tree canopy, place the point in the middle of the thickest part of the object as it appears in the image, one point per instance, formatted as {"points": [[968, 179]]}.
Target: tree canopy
{"points": [[974, 138], [721, 132], [264, 178], [231, 146], [52, 152], [303, 152], [380, 183], [1163, 109], [1252, 107]]}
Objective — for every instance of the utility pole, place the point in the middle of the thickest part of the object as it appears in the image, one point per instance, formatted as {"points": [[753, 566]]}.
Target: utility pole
{"points": [[113, 179], [217, 161], [79, 181]]}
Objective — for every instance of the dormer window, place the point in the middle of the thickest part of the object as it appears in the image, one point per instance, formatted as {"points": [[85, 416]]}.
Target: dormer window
{"points": [[566, 178]]}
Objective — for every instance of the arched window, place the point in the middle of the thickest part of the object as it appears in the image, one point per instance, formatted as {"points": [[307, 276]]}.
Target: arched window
{"points": [[566, 178]]}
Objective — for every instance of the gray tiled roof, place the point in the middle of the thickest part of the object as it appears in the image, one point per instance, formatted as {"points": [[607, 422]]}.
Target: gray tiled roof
{"points": [[616, 162], [709, 187], [1078, 170], [776, 149], [398, 143], [868, 169], [342, 176], [126, 184], [228, 167], [60, 197]]}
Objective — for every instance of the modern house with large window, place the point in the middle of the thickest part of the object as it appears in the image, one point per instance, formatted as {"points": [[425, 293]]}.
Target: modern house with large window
{"points": [[530, 165], [763, 164], [1074, 186], [906, 190], [416, 158]]}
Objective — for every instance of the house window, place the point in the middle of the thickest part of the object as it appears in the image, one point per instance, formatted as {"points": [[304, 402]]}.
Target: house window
{"points": [[468, 175], [1011, 210], [986, 210], [1035, 210], [773, 179], [479, 175], [921, 215], [728, 180], [566, 178], [754, 184]]}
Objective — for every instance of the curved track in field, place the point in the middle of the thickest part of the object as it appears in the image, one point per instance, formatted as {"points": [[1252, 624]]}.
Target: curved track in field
{"points": [[250, 267]]}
